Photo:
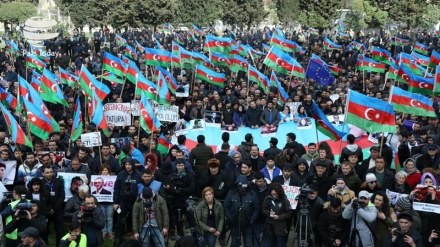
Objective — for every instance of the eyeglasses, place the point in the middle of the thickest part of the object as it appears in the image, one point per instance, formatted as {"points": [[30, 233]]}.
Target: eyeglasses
{"points": [[372, 182], [432, 149]]}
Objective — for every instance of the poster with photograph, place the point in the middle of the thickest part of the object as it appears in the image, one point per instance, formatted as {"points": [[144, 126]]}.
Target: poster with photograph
{"points": [[92, 139], [213, 118], [118, 114], [229, 128], [7, 171], [72, 182], [121, 141], [197, 124], [293, 107], [102, 187], [182, 91], [268, 131], [180, 128], [303, 123]]}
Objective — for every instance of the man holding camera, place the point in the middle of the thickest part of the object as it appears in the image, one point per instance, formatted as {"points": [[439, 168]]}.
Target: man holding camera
{"points": [[241, 211], [404, 236], [74, 236], [365, 214], [150, 219], [332, 228], [91, 218], [125, 194]]}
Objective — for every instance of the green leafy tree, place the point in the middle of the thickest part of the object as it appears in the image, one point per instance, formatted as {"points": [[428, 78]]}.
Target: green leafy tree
{"points": [[150, 12], [123, 16], [430, 16], [16, 12], [363, 15], [405, 11], [199, 12], [287, 10], [244, 12], [92, 12], [319, 14]]}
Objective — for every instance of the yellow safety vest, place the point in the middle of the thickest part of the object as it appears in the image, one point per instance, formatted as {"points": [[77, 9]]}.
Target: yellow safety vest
{"points": [[14, 234], [82, 241]]}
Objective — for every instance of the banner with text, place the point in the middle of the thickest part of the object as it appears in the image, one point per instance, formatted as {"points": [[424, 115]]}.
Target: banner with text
{"points": [[426, 207], [92, 139], [118, 114], [168, 113], [102, 187], [291, 193]]}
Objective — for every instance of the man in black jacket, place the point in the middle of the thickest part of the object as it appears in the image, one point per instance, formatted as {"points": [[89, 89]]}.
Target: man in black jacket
{"points": [[215, 178], [125, 194], [272, 150], [291, 143], [333, 230], [91, 219], [56, 188], [253, 116]]}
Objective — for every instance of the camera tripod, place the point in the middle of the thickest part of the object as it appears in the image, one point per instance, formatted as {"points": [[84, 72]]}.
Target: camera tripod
{"points": [[303, 228], [355, 232], [199, 236], [268, 227], [149, 227], [241, 213]]}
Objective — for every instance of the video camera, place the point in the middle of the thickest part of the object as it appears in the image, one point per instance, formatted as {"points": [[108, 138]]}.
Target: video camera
{"points": [[87, 213], [358, 204], [191, 204], [127, 185], [177, 183], [305, 190], [333, 232], [23, 205], [399, 232]]}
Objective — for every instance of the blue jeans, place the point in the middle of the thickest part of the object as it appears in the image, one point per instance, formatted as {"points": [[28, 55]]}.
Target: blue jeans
{"points": [[108, 210], [210, 239], [155, 235], [247, 236], [256, 229]]}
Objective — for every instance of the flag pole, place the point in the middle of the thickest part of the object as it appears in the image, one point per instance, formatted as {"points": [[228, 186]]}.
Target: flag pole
{"points": [[381, 143], [99, 149], [340, 141]]}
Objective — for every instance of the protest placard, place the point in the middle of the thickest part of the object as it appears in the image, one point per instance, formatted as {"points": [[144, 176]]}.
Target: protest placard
{"points": [[102, 187], [118, 114], [426, 207], [92, 139], [291, 193], [394, 196], [72, 182], [7, 171], [168, 113]]}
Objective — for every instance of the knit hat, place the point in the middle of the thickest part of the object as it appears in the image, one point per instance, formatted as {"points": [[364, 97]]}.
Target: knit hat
{"points": [[341, 177], [404, 203], [147, 193], [405, 216], [370, 177]]}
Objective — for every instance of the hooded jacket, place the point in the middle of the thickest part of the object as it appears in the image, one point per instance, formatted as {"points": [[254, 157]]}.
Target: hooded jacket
{"points": [[413, 178], [248, 201], [119, 196], [351, 148], [296, 175]]}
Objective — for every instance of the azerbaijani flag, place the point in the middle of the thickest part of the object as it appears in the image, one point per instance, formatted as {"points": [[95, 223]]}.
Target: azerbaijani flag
{"points": [[52, 91], [39, 124], [420, 84], [156, 57], [216, 44], [91, 86], [172, 85], [421, 48], [178, 38], [314, 31], [342, 35], [77, 127], [434, 60], [420, 59], [210, 76], [220, 59], [279, 61], [401, 41], [239, 64], [8, 99], [68, 79], [404, 101], [259, 78], [324, 126], [130, 52], [34, 62], [17, 134], [437, 79], [120, 41], [329, 45], [113, 64], [140, 47], [382, 55], [369, 114], [98, 117], [163, 144], [359, 46], [164, 93], [282, 95], [196, 30], [147, 119], [283, 44]]}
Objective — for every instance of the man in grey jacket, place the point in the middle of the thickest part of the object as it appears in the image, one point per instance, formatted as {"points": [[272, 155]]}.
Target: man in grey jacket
{"points": [[366, 214]]}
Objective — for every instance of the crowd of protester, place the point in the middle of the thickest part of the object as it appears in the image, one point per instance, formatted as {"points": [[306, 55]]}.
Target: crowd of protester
{"points": [[239, 186]]}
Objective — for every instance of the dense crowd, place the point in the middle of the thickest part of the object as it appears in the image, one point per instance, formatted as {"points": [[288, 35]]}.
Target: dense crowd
{"points": [[240, 187]]}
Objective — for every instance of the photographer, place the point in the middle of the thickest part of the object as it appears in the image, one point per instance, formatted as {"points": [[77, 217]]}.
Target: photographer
{"points": [[332, 228], [182, 188], [241, 211], [8, 212], [210, 216], [74, 237], [124, 196], [26, 215], [366, 214], [341, 191], [433, 240], [150, 213], [37, 191], [74, 203], [276, 208], [404, 236], [91, 219]]}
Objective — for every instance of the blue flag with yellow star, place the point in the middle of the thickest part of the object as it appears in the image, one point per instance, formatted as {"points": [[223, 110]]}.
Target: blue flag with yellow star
{"points": [[319, 73]]}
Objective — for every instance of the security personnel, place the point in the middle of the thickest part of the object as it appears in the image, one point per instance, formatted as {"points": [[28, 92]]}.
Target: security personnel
{"points": [[74, 238], [8, 212]]}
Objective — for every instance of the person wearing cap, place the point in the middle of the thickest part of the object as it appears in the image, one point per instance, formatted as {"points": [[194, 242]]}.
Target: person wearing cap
{"points": [[241, 211], [320, 179], [365, 215], [430, 159], [300, 171], [30, 237], [33, 219], [384, 176], [371, 184], [270, 170], [74, 237], [291, 143], [272, 150], [91, 217], [123, 198], [215, 178], [333, 230], [351, 178], [404, 236], [150, 213], [341, 191]]}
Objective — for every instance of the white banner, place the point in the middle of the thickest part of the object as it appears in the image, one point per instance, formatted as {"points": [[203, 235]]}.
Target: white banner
{"points": [[72, 182], [394, 196], [92, 139], [102, 187], [291, 193], [135, 108], [118, 114], [168, 113], [426, 207]]}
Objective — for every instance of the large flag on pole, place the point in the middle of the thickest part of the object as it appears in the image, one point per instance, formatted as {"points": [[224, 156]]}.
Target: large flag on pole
{"points": [[17, 134], [77, 127], [324, 126]]}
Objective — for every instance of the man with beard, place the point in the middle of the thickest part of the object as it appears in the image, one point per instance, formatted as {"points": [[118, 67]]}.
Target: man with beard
{"points": [[105, 157]]}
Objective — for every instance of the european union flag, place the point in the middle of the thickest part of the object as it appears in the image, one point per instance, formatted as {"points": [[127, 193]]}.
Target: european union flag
{"points": [[319, 73]]}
